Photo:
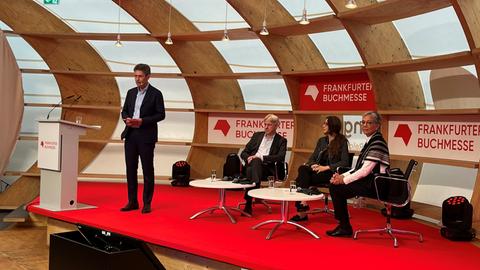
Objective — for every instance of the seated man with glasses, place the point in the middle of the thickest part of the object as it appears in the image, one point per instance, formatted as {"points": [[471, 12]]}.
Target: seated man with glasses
{"points": [[261, 152], [373, 158]]}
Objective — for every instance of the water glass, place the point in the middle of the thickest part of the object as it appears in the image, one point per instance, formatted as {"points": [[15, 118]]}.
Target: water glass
{"points": [[213, 176], [293, 187], [271, 182]]}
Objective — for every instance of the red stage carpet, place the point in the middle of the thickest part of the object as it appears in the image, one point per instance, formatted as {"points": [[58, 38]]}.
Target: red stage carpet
{"points": [[213, 236]]}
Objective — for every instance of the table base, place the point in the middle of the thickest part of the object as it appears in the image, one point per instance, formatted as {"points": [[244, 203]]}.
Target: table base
{"points": [[221, 206], [284, 220]]}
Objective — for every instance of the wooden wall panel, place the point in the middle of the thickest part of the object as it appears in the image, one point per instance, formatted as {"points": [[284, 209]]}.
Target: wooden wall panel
{"points": [[397, 91]]}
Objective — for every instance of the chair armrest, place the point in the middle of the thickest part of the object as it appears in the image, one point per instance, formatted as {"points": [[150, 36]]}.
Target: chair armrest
{"points": [[341, 170]]}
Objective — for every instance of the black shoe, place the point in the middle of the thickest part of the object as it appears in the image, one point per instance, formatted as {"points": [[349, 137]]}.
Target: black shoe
{"points": [[298, 218], [302, 208], [129, 207], [339, 231], [146, 209]]}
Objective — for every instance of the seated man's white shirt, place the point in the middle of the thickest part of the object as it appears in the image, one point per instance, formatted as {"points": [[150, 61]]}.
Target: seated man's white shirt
{"points": [[264, 148]]}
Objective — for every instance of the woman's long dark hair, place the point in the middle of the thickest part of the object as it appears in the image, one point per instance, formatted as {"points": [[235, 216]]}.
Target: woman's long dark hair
{"points": [[335, 128]]}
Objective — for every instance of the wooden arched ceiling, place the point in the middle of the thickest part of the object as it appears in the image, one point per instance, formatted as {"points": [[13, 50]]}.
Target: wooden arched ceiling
{"points": [[190, 57], [291, 53], [60, 54], [392, 90], [193, 57]]}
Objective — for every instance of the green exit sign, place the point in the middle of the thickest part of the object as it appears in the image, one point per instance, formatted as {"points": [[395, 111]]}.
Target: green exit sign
{"points": [[51, 2]]}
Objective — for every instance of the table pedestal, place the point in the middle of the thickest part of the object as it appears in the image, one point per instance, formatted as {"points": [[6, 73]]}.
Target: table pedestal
{"points": [[284, 220], [221, 206]]}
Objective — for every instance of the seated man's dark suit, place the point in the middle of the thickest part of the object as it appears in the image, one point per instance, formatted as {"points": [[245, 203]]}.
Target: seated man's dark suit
{"points": [[258, 170]]}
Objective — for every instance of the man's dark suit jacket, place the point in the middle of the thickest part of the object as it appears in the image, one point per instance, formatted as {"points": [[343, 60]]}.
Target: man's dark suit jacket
{"points": [[151, 112], [277, 152]]}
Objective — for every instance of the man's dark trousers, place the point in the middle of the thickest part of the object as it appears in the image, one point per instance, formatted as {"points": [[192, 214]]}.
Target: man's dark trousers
{"points": [[135, 147]]}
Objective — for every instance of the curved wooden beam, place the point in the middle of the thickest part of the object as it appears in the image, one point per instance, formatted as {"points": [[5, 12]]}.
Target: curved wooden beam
{"points": [[28, 16], [392, 90], [468, 13]]}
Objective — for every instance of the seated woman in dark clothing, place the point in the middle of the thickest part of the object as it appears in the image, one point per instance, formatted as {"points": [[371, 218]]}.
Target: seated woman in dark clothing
{"points": [[330, 153]]}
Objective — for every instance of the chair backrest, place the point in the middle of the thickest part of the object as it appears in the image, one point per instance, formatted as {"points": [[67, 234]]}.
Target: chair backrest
{"points": [[350, 159], [395, 189], [281, 170]]}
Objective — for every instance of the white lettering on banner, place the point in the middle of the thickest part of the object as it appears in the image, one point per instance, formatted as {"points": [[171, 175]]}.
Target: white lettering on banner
{"points": [[449, 137], [330, 90], [347, 87], [239, 128], [345, 98]]}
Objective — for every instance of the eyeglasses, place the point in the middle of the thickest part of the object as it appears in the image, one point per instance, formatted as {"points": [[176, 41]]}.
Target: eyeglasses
{"points": [[368, 123]]}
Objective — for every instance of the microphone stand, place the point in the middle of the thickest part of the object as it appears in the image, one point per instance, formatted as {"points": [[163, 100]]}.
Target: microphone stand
{"points": [[56, 105], [70, 105]]}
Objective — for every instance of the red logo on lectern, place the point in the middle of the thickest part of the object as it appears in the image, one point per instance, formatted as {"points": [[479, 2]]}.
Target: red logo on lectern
{"points": [[48, 144], [403, 131], [223, 126]]}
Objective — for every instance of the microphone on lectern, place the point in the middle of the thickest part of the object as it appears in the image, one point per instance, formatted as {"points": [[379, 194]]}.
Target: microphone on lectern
{"points": [[56, 105], [70, 105]]}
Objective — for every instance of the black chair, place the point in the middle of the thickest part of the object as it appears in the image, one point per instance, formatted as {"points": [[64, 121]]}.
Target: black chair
{"points": [[393, 190], [325, 191], [281, 174]]}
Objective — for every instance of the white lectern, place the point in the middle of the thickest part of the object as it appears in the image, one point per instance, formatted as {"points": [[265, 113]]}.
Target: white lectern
{"points": [[58, 161]]}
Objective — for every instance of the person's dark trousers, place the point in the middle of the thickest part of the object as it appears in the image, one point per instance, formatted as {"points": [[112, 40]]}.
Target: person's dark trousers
{"points": [[307, 178], [340, 194], [256, 171], [134, 148]]}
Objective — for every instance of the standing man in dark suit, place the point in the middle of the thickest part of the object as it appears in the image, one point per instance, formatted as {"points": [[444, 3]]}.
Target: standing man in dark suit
{"points": [[261, 153], [142, 110]]}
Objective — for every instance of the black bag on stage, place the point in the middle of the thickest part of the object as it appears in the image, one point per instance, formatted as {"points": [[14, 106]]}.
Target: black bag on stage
{"points": [[232, 167], [180, 173], [457, 215]]}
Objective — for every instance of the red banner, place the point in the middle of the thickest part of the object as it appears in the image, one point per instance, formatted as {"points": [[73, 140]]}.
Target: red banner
{"points": [[349, 92]]}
